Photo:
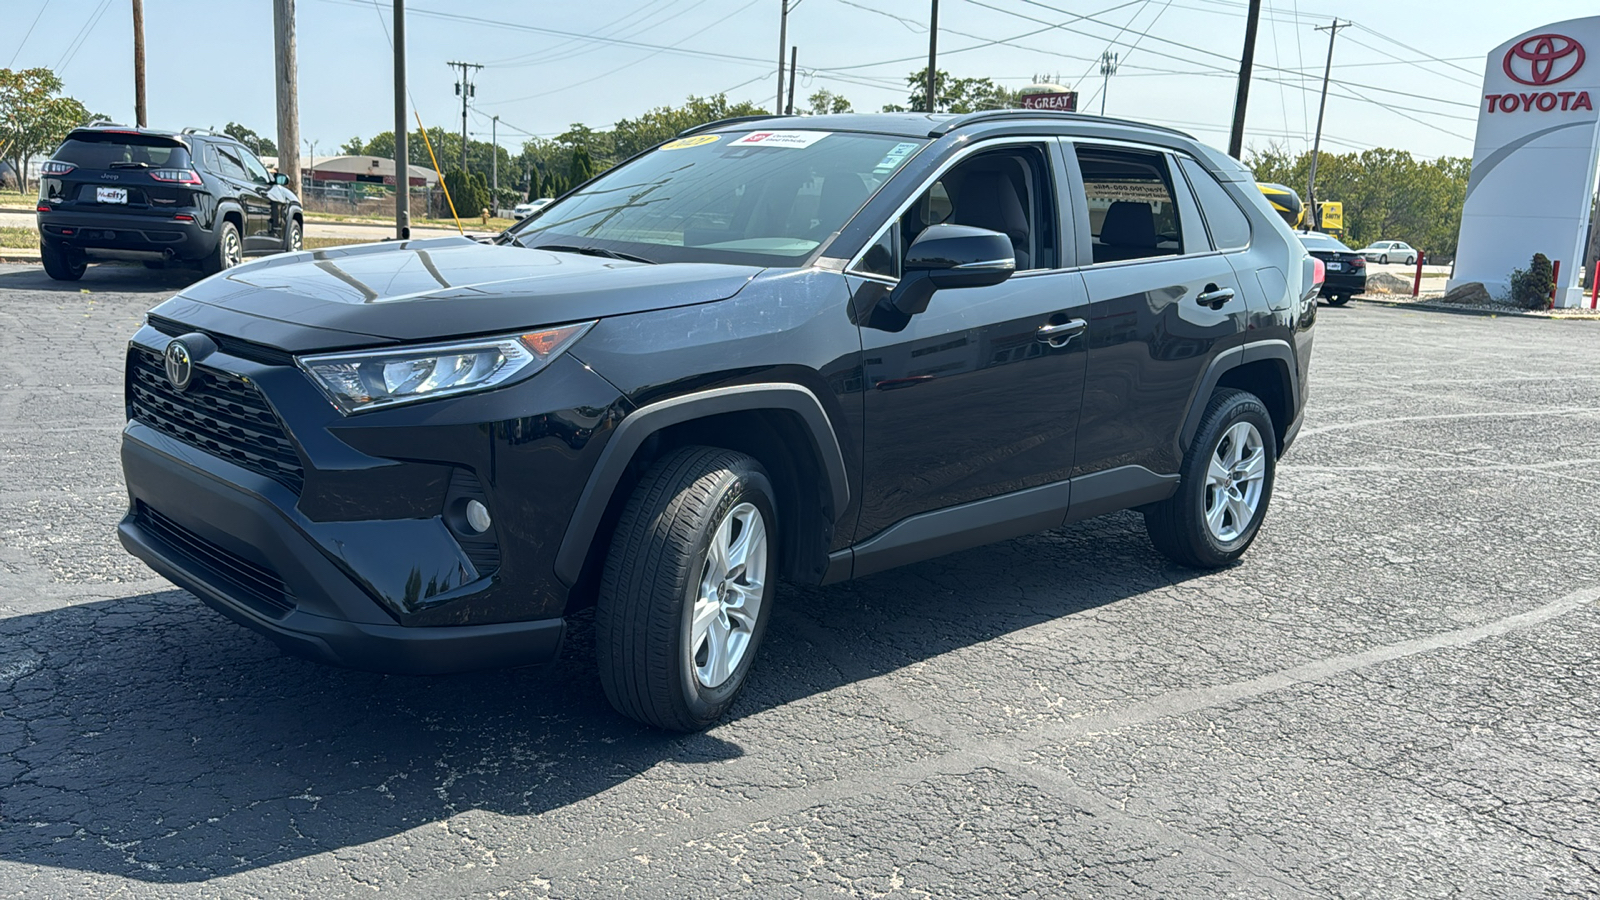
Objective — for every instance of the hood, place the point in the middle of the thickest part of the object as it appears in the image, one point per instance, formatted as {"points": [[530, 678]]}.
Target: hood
{"points": [[433, 289]]}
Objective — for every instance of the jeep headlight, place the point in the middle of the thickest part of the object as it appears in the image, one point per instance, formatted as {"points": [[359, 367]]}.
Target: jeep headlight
{"points": [[371, 379]]}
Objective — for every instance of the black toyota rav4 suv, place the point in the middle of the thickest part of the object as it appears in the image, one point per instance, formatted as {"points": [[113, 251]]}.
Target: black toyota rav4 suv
{"points": [[112, 192], [778, 349]]}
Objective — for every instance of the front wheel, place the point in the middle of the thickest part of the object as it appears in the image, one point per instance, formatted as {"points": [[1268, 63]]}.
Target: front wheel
{"points": [[62, 263], [294, 238], [687, 588], [1224, 485]]}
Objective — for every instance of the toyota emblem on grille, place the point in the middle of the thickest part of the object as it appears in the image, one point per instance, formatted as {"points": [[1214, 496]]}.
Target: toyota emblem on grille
{"points": [[180, 366]]}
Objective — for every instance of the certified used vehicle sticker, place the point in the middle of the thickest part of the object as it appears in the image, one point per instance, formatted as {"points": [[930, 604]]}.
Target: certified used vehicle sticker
{"points": [[699, 140], [896, 155], [794, 140]]}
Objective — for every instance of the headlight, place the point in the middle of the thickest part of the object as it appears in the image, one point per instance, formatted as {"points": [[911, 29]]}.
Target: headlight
{"points": [[371, 379]]}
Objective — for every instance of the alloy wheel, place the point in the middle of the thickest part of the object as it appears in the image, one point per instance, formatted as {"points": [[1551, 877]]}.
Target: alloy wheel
{"points": [[1234, 481], [727, 601], [232, 249]]}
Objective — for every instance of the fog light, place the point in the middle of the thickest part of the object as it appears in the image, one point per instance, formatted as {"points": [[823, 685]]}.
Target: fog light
{"points": [[478, 516]]}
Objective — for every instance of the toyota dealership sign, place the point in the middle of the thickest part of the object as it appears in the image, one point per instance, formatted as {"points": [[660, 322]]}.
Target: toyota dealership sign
{"points": [[1534, 165]]}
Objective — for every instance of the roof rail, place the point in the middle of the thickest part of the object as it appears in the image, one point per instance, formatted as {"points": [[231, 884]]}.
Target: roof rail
{"points": [[98, 122], [206, 131], [734, 120], [965, 119]]}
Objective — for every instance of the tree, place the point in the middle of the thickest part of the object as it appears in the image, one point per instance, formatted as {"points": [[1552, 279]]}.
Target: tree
{"points": [[469, 192], [825, 101], [631, 136], [956, 95], [261, 146], [581, 168], [356, 146], [33, 118]]}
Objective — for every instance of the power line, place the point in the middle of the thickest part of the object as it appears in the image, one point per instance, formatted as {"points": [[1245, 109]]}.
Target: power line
{"points": [[28, 34], [88, 28]]}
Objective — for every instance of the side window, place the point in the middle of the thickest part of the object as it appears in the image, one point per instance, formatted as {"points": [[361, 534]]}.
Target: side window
{"points": [[258, 172], [231, 166], [212, 165], [1230, 228], [1008, 190], [1132, 214]]}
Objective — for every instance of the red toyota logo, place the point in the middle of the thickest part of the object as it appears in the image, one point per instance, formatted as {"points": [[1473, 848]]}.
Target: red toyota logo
{"points": [[1541, 56]]}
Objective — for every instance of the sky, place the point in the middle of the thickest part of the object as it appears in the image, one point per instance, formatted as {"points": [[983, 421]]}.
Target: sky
{"points": [[1406, 75]]}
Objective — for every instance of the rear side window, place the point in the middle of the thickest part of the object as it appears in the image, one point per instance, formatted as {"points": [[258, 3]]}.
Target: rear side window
{"points": [[110, 150], [1132, 213], [1230, 229], [232, 166]]}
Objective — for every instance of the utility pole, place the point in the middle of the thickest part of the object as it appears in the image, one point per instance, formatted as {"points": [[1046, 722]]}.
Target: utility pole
{"points": [[311, 161], [794, 59], [783, 46], [288, 93], [1316, 145], [933, 58], [402, 155], [1241, 99], [1108, 68], [467, 90], [138, 63], [494, 150]]}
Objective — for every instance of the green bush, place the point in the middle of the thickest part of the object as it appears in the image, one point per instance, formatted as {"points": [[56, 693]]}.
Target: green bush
{"points": [[469, 192], [1531, 287]]}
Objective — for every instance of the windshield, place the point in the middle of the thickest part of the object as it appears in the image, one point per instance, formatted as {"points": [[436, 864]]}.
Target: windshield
{"points": [[1323, 242], [754, 198], [110, 150]]}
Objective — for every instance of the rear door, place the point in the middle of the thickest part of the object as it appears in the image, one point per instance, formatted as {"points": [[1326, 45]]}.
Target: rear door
{"points": [[116, 174], [970, 400], [1163, 302]]}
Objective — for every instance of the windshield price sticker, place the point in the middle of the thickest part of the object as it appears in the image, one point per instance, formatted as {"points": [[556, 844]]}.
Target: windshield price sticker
{"points": [[793, 140], [697, 141], [896, 155]]}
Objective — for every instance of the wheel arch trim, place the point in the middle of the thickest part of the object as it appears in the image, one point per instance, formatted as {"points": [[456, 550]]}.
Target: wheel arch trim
{"points": [[638, 426], [1233, 358]]}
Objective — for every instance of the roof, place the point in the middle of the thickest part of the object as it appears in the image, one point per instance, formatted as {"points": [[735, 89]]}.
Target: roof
{"points": [[922, 125]]}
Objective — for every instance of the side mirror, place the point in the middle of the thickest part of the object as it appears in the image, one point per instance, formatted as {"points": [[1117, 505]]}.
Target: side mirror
{"points": [[280, 178], [951, 256]]}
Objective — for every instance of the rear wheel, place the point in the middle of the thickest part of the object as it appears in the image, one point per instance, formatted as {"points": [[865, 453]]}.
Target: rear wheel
{"points": [[62, 263], [1411, 260], [1339, 300], [1224, 487], [1384, 259], [687, 588], [229, 251]]}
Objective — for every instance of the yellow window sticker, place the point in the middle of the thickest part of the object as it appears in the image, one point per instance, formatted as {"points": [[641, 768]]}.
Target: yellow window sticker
{"points": [[699, 140]]}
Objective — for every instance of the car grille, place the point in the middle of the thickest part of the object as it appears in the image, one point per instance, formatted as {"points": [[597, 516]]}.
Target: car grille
{"points": [[251, 584], [221, 414]]}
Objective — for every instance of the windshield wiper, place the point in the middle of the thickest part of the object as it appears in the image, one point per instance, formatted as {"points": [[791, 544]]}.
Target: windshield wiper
{"points": [[129, 165], [594, 251]]}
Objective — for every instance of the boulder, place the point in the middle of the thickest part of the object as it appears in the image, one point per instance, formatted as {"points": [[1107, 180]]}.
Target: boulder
{"points": [[1386, 283], [1473, 293]]}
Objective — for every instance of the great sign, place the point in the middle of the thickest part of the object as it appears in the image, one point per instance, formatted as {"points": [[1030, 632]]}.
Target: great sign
{"points": [[1534, 159]]}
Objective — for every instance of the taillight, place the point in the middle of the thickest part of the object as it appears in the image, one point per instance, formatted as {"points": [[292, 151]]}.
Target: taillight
{"points": [[41, 208], [56, 167], [1358, 263], [176, 176], [1319, 270]]}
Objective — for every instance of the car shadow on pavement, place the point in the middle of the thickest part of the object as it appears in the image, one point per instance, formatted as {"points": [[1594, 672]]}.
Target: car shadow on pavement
{"points": [[148, 737], [102, 277]]}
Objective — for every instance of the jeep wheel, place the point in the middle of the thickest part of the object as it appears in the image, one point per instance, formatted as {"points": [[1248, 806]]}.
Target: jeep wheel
{"points": [[1225, 485], [293, 239], [61, 263], [687, 588], [229, 251]]}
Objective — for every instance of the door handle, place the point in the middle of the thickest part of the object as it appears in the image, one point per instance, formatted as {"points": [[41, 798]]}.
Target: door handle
{"points": [[1214, 296], [1058, 335]]}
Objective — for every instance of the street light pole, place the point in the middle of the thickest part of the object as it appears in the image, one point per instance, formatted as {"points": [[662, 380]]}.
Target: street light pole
{"points": [[402, 154]]}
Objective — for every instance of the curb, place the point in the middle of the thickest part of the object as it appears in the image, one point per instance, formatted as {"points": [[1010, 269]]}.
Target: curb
{"points": [[1431, 306]]}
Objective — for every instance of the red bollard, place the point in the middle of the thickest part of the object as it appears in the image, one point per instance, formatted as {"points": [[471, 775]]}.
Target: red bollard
{"points": [[1594, 297], [1555, 282], [1416, 285]]}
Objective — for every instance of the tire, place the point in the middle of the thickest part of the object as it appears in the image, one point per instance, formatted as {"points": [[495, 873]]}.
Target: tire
{"points": [[61, 263], [294, 237], [1411, 260], [1384, 259], [1340, 300], [229, 251], [657, 664], [1179, 526]]}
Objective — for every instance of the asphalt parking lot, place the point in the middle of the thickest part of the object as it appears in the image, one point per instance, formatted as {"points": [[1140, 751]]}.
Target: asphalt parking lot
{"points": [[1394, 695]]}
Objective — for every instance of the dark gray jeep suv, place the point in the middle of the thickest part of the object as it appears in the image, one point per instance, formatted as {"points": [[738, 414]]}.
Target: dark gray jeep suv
{"points": [[805, 349]]}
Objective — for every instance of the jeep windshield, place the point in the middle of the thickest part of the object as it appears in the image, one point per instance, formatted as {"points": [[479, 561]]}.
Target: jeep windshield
{"points": [[766, 198]]}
